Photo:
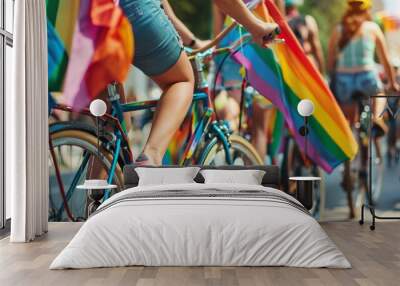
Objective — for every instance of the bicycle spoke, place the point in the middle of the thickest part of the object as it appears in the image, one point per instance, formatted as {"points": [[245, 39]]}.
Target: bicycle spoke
{"points": [[59, 179], [240, 153], [78, 174]]}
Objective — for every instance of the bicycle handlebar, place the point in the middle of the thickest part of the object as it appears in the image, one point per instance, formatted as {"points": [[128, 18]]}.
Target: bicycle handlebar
{"points": [[221, 35], [216, 40], [241, 41]]}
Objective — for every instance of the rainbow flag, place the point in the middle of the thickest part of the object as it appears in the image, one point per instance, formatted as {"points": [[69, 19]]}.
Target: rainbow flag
{"points": [[275, 132], [285, 76], [90, 45], [276, 124], [61, 19], [275, 128]]}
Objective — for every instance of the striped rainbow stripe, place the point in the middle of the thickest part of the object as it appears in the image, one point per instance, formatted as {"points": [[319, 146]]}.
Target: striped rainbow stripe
{"points": [[61, 19], [90, 45], [275, 132], [178, 148], [285, 76]]}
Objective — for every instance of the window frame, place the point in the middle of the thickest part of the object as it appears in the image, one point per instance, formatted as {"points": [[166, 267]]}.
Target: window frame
{"points": [[6, 39]]}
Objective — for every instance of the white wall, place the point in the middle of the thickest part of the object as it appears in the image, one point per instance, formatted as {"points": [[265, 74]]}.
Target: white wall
{"points": [[8, 12]]}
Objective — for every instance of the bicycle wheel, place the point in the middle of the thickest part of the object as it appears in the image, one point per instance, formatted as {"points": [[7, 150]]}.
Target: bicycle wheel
{"points": [[241, 151], [77, 159], [377, 173]]}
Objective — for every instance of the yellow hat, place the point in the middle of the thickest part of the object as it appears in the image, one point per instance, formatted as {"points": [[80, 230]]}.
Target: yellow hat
{"points": [[365, 4]]}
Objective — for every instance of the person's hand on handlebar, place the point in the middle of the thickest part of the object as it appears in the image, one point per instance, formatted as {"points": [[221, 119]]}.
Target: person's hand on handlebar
{"points": [[201, 43], [264, 33]]}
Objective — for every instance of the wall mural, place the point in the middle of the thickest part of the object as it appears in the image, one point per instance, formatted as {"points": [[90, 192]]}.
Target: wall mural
{"points": [[244, 110]]}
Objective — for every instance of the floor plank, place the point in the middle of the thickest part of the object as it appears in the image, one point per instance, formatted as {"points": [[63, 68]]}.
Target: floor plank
{"points": [[375, 257]]}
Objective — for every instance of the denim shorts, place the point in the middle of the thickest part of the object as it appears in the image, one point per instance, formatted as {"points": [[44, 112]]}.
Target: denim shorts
{"points": [[347, 85], [157, 44]]}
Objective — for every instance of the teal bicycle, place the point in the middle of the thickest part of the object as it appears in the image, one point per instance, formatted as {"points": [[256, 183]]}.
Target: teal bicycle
{"points": [[77, 153]]}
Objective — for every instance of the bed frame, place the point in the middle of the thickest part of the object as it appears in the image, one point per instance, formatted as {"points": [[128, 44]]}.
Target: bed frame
{"points": [[270, 179]]}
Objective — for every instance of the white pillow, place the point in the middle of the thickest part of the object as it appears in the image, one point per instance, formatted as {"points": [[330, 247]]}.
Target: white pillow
{"points": [[243, 177], [166, 176]]}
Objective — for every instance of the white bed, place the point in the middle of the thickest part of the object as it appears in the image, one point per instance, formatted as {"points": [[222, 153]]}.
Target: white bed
{"points": [[201, 225]]}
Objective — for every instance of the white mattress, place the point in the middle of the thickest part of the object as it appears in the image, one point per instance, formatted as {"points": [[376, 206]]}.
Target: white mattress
{"points": [[207, 230]]}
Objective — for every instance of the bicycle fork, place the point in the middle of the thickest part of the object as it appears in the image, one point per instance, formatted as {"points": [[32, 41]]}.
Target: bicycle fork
{"points": [[113, 165], [196, 138], [222, 132]]}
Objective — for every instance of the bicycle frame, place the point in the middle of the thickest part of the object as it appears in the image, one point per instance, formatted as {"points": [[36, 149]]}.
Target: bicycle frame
{"points": [[116, 118], [206, 125]]}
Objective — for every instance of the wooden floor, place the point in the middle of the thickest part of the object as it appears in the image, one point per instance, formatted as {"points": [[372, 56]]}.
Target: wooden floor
{"points": [[375, 257]]}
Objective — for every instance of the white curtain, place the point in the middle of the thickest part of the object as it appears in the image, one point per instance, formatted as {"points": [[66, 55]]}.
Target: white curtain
{"points": [[27, 124]]}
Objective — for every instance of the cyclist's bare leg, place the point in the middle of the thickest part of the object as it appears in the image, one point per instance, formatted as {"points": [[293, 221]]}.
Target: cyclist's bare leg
{"points": [[348, 187], [351, 113], [177, 84], [378, 149], [228, 109], [231, 109], [259, 130], [231, 113], [379, 107]]}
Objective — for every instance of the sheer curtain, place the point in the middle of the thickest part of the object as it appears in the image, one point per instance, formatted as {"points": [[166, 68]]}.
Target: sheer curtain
{"points": [[27, 124]]}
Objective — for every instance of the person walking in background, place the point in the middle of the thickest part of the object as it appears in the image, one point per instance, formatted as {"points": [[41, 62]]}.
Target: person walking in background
{"points": [[159, 54], [306, 31], [352, 66]]}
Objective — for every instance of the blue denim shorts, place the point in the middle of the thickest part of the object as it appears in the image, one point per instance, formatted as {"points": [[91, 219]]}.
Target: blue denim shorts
{"points": [[349, 84], [157, 44]]}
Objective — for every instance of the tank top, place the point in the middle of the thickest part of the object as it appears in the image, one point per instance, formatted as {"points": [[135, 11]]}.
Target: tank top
{"points": [[359, 53]]}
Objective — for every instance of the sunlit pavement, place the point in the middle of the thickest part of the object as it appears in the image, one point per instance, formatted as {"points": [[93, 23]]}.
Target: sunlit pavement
{"points": [[388, 203]]}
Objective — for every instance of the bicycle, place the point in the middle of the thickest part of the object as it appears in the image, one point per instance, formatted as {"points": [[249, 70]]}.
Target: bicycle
{"points": [[356, 175], [211, 143], [393, 152]]}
